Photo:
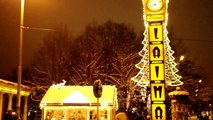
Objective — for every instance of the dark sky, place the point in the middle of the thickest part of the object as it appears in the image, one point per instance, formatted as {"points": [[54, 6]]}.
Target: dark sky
{"points": [[191, 20]]}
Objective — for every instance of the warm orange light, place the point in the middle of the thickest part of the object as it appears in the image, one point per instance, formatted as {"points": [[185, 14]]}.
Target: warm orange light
{"points": [[158, 112], [76, 97], [182, 58], [156, 52], [155, 33], [158, 92], [157, 71], [13, 91]]}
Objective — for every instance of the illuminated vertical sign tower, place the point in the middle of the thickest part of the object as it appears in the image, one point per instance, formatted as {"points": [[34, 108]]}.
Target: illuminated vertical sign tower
{"points": [[157, 67], [155, 16]]}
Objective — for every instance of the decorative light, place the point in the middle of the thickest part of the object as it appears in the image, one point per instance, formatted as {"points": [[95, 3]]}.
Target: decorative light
{"points": [[143, 76], [182, 58], [104, 104], [73, 99], [59, 84]]}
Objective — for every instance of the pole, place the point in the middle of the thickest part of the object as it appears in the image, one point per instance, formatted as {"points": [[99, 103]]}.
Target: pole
{"points": [[97, 108], [19, 74]]}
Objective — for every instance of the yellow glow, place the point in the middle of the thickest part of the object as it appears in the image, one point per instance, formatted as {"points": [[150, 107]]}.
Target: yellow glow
{"points": [[76, 97], [154, 5], [157, 71], [42, 105], [182, 58], [156, 52], [151, 18], [13, 91], [104, 104], [22, 13], [157, 57], [158, 92], [143, 77], [158, 102], [154, 9], [172, 78], [158, 110], [155, 33]]}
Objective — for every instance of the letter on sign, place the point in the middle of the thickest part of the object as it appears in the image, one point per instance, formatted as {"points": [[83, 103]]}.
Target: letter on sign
{"points": [[158, 92], [158, 112], [156, 33], [157, 71], [156, 52]]}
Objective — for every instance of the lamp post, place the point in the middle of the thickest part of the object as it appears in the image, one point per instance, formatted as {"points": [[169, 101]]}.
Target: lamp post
{"points": [[19, 74]]}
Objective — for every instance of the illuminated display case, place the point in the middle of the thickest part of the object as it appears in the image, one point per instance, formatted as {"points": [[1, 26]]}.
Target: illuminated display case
{"points": [[78, 103], [76, 113]]}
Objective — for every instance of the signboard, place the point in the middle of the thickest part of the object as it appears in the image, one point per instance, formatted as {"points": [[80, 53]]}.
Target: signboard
{"points": [[158, 92], [154, 18], [157, 71], [158, 112], [156, 52], [155, 33]]}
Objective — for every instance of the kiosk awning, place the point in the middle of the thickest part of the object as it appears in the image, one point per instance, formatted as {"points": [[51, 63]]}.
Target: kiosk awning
{"points": [[78, 96]]}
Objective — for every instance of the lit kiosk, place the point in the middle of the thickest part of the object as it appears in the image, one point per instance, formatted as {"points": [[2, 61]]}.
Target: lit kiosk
{"points": [[157, 68], [78, 103]]}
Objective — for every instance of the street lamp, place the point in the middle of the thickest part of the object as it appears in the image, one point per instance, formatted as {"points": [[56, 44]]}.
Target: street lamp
{"points": [[182, 57], [19, 74]]}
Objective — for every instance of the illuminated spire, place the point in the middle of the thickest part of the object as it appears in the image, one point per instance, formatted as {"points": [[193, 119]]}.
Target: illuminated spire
{"points": [[143, 76]]}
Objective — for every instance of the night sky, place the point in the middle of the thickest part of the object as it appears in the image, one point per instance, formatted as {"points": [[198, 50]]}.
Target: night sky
{"points": [[190, 20]]}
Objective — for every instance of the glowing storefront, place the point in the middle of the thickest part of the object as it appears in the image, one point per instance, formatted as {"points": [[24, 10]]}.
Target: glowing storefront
{"points": [[8, 91], [78, 103]]}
